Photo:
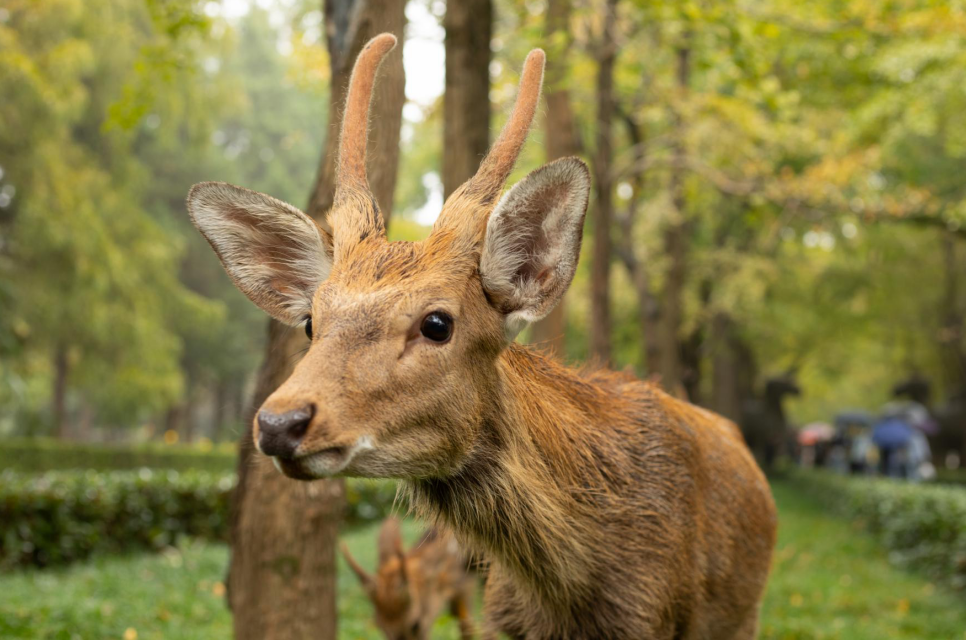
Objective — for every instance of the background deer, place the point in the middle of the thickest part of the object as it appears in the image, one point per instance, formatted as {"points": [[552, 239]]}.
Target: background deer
{"points": [[606, 508], [411, 589]]}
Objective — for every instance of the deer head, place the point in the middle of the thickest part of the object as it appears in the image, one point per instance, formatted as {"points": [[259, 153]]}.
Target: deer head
{"points": [[405, 336], [396, 602]]}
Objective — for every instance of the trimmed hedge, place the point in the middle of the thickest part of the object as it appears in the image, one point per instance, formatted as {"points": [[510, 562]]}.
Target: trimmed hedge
{"points": [[46, 454], [922, 526], [64, 516]]}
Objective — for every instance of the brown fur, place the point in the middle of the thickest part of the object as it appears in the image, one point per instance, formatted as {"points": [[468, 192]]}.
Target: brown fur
{"points": [[411, 589], [605, 507]]}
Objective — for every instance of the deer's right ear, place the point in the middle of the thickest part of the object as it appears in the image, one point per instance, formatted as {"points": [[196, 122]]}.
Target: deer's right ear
{"points": [[275, 254]]}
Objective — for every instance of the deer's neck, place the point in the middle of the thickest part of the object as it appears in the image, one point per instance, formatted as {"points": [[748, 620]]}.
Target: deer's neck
{"points": [[540, 479]]}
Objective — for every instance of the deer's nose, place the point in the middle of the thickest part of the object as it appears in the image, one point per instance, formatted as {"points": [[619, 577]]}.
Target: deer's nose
{"points": [[280, 433]]}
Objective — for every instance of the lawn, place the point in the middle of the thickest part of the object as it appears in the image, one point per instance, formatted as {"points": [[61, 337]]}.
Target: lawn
{"points": [[830, 581]]}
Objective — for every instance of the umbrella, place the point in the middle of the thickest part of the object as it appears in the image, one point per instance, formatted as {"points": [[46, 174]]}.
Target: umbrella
{"points": [[913, 414], [852, 417], [891, 432], [814, 433]]}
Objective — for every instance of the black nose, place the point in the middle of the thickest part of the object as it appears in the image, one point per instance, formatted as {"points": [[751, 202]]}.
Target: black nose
{"points": [[280, 433]]}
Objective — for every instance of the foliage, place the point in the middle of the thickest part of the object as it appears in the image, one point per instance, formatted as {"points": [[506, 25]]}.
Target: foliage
{"points": [[36, 455], [112, 110], [924, 527], [821, 160], [63, 516], [58, 517]]}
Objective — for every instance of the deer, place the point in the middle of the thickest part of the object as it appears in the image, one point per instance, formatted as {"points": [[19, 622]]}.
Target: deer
{"points": [[411, 589], [603, 507]]}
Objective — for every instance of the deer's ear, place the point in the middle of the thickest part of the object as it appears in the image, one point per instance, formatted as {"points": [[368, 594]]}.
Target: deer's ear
{"points": [[275, 254], [533, 241], [390, 540]]}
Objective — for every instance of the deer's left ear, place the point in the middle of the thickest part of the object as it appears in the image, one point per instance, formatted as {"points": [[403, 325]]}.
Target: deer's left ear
{"points": [[533, 241]]}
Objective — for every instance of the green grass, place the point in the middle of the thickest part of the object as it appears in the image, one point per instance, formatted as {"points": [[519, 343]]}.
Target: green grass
{"points": [[830, 581], [177, 594]]}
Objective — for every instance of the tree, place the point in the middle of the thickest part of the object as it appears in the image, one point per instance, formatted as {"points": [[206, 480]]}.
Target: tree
{"points": [[561, 139], [603, 210], [93, 275], [281, 582], [466, 101]]}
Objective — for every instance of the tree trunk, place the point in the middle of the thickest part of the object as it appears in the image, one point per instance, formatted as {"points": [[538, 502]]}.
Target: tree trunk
{"points": [[648, 314], [725, 388], [466, 102], [950, 337], [676, 242], [61, 371], [600, 343], [561, 139], [282, 578]]}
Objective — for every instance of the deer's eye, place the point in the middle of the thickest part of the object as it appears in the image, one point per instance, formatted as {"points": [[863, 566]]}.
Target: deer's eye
{"points": [[437, 326], [308, 327]]}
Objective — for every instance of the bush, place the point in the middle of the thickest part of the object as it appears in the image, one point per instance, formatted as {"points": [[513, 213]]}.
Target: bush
{"points": [[62, 516], [923, 526], [44, 454]]}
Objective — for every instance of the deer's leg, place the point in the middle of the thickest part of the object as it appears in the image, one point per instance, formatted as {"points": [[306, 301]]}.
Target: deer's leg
{"points": [[459, 606]]}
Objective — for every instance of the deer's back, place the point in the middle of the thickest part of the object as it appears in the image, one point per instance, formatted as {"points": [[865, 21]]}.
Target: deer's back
{"points": [[682, 525]]}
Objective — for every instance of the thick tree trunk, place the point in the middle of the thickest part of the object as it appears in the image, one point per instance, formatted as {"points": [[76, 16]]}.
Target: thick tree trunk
{"points": [[466, 102], [600, 343], [561, 139], [281, 583], [676, 244], [59, 392]]}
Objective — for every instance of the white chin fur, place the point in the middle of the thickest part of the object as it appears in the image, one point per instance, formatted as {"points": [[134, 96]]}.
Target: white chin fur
{"points": [[327, 463]]}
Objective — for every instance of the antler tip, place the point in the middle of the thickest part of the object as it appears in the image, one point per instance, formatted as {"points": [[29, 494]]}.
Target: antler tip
{"points": [[385, 42], [536, 56]]}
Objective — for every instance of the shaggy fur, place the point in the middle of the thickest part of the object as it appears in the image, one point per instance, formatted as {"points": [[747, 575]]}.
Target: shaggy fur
{"points": [[604, 507]]}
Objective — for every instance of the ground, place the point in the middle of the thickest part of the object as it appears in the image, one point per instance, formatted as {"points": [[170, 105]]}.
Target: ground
{"points": [[830, 581]]}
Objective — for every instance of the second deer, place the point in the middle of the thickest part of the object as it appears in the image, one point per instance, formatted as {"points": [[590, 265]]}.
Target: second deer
{"points": [[410, 590]]}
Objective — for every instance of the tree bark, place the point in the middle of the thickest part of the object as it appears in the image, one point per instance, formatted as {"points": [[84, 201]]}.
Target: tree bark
{"points": [[561, 139], [676, 241], [466, 102], [600, 342], [61, 371], [281, 582]]}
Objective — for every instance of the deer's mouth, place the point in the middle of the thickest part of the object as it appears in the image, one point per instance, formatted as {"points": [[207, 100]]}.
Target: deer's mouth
{"points": [[322, 463]]}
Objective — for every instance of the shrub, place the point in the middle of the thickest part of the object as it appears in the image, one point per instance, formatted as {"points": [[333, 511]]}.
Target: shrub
{"points": [[923, 526], [44, 454], [63, 516]]}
